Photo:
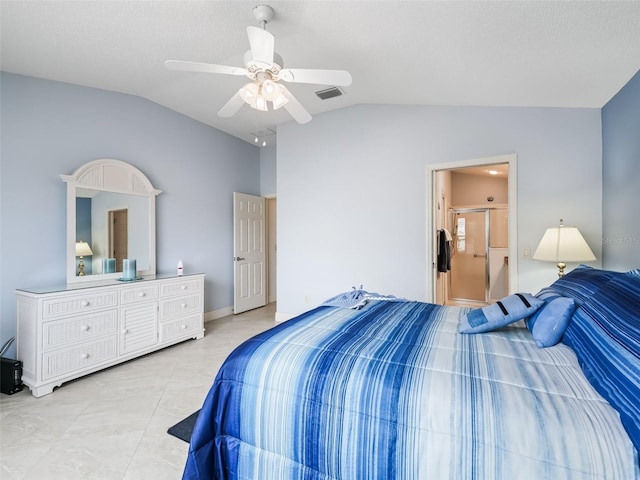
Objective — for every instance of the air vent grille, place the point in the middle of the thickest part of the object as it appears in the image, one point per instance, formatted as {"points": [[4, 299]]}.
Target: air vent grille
{"points": [[266, 132], [330, 92]]}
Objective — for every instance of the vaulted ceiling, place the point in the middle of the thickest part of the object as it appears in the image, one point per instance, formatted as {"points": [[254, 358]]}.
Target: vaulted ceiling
{"points": [[483, 53]]}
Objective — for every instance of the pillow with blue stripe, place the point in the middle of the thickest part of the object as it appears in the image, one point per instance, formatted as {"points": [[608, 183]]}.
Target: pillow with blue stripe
{"points": [[582, 282], [549, 323], [605, 335], [500, 314]]}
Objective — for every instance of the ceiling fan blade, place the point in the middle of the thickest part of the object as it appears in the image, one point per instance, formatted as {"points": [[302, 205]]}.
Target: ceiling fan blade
{"points": [[232, 106], [340, 78], [262, 45], [297, 111], [203, 67]]}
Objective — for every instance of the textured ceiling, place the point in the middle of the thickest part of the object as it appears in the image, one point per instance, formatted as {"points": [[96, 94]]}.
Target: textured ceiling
{"points": [[509, 53]]}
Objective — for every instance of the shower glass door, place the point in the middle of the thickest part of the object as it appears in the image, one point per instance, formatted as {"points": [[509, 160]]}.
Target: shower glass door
{"points": [[469, 272]]}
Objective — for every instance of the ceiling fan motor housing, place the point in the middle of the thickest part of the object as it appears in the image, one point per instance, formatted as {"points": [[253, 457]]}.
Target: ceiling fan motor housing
{"points": [[251, 64]]}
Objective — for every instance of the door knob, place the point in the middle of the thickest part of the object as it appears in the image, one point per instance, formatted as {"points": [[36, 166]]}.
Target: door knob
{"points": [[479, 254], [237, 259]]}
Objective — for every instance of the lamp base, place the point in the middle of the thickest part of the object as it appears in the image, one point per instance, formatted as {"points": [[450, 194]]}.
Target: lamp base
{"points": [[81, 268], [561, 266]]}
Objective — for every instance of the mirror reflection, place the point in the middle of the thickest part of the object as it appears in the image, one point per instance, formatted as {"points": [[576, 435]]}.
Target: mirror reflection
{"points": [[114, 226], [111, 208]]}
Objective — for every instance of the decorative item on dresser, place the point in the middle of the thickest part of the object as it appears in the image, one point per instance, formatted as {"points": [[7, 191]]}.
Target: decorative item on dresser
{"points": [[71, 331]]}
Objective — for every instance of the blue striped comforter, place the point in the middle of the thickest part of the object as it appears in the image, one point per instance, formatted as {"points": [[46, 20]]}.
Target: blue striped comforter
{"points": [[392, 391]]}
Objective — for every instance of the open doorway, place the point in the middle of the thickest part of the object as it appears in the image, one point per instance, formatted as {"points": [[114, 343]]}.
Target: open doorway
{"points": [[119, 236], [472, 213]]}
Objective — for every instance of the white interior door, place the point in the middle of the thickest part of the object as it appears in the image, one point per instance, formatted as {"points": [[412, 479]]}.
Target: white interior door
{"points": [[249, 252]]}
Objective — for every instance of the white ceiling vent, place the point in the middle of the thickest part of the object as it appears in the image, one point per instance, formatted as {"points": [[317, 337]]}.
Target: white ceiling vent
{"points": [[264, 137], [329, 93], [266, 132]]}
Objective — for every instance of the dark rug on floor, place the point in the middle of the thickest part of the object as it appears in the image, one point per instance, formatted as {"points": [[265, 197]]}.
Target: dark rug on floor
{"points": [[184, 428]]}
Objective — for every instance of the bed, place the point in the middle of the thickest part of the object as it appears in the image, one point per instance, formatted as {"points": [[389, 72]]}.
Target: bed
{"points": [[391, 389]]}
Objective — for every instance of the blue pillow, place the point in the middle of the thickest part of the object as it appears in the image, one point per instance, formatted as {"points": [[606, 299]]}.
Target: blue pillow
{"points": [[583, 282], [508, 310], [549, 323]]}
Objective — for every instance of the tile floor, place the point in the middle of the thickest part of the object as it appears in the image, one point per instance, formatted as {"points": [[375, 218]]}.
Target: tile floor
{"points": [[112, 424]]}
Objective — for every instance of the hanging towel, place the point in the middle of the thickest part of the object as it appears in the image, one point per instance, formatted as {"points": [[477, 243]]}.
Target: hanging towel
{"points": [[444, 251]]}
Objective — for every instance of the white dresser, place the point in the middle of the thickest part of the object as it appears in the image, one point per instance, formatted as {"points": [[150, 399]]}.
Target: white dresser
{"points": [[71, 331]]}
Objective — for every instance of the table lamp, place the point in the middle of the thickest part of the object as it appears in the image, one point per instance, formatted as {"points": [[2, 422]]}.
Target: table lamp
{"points": [[82, 249], [563, 244]]}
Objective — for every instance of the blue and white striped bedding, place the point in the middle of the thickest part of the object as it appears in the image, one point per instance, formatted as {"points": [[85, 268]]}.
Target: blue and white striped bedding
{"points": [[605, 334], [393, 391]]}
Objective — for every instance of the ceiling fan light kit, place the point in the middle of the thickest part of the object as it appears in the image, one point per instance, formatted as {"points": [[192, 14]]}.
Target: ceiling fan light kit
{"points": [[265, 69]]}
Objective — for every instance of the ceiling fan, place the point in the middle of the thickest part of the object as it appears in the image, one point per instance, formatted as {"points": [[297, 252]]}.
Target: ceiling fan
{"points": [[265, 69]]}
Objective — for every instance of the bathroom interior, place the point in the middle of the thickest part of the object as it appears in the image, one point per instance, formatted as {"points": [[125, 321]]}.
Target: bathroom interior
{"points": [[472, 214]]}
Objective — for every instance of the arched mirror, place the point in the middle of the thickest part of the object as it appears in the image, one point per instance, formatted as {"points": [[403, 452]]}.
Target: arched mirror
{"points": [[111, 215]]}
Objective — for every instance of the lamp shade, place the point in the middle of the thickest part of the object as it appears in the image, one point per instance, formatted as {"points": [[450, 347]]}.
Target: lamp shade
{"points": [[563, 244], [83, 249]]}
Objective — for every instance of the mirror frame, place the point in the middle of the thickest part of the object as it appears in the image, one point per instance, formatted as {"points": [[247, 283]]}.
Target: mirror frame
{"points": [[108, 175]]}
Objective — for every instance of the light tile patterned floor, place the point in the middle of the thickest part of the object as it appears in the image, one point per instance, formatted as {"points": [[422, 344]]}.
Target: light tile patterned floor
{"points": [[112, 424]]}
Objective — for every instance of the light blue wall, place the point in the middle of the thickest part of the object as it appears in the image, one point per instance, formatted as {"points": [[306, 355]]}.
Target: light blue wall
{"points": [[621, 178], [268, 171], [51, 128], [352, 188]]}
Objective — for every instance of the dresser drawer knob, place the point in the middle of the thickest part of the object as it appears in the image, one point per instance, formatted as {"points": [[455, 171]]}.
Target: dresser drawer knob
{"points": [[141, 294], [85, 303], [184, 327], [183, 287], [124, 331], [84, 328], [85, 356], [183, 305]]}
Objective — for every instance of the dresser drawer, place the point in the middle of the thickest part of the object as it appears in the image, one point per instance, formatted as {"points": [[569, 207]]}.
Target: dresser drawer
{"points": [[185, 285], [78, 357], [180, 327], [178, 306], [59, 333], [78, 303], [139, 293]]}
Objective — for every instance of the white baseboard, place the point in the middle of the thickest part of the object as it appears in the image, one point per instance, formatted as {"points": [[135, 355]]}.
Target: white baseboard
{"points": [[226, 311], [215, 314]]}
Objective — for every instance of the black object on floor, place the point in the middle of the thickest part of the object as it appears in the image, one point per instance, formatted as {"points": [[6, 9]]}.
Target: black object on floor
{"points": [[184, 428]]}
